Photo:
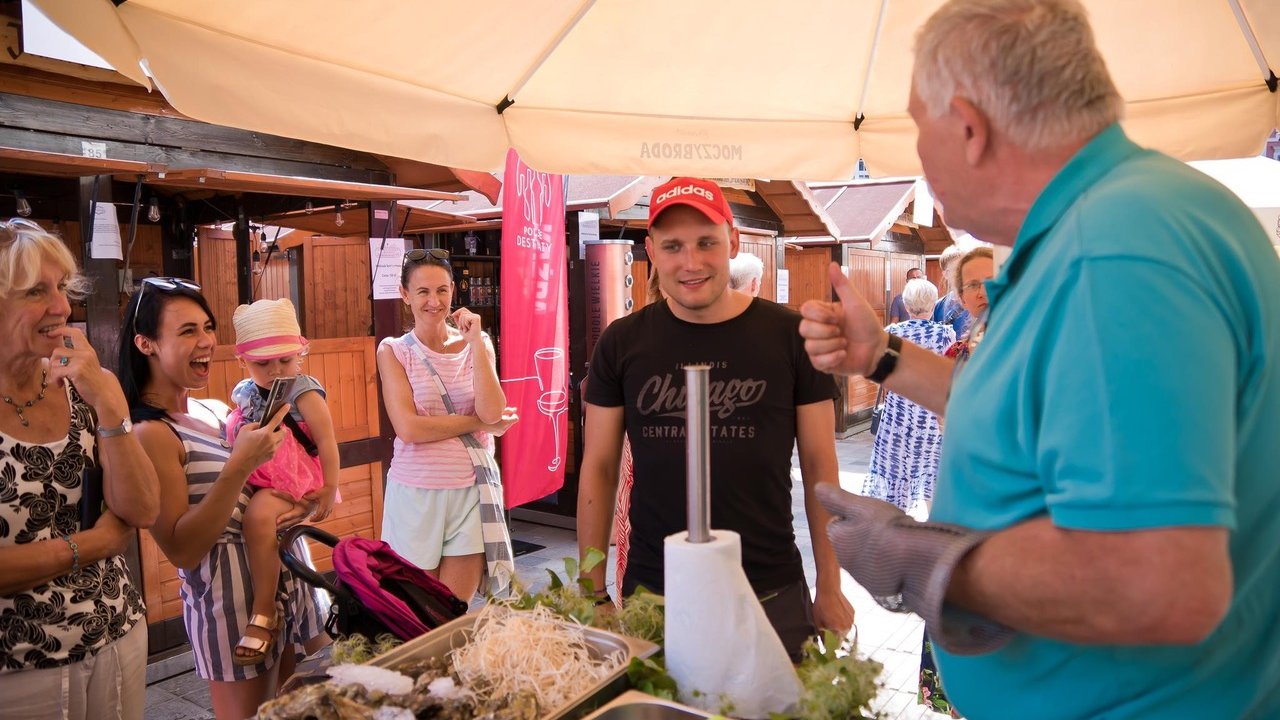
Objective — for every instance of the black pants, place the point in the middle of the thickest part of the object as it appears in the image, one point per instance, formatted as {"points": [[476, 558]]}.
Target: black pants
{"points": [[790, 611]]}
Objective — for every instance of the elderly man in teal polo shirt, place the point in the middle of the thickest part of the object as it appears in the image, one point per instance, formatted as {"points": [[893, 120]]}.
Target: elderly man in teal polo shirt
{"points": [[1105, 539]]}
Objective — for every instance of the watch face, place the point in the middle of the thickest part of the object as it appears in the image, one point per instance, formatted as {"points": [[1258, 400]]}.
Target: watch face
{"points": [[122, 429]]}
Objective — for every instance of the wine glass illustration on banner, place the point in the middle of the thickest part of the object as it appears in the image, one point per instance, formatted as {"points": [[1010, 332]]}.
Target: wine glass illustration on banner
{"points": [[553, 400]]}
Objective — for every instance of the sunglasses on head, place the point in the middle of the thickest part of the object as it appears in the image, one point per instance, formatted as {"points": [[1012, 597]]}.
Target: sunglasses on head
{"points": [[161, 283], [19, 224], [420, 254]]}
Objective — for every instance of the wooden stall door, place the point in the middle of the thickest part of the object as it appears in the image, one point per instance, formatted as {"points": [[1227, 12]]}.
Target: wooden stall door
{"points": [[216, 274], [899, 264], [808, 274], [763, 247], [867, 270], [336, 287]]}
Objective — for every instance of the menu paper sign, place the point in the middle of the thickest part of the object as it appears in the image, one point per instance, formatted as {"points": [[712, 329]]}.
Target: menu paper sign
{"points": [[106, 233], [386, 255]]}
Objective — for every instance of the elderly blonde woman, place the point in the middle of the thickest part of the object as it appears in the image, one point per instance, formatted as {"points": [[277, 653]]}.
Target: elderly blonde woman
{"points": [[969, 277], [904, 459], [73, 638]]}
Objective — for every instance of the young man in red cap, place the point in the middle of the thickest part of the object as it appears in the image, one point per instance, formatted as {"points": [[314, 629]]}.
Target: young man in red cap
{"points": [[765, 398]]}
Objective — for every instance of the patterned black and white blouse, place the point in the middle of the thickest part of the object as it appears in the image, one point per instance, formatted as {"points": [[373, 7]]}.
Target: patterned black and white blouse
{"points": [[77, 614]]}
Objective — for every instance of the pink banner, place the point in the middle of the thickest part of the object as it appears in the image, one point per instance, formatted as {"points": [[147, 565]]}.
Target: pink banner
{"points": [[534, 337]]}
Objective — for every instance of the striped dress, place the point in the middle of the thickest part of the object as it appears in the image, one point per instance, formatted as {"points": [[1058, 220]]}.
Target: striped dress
{"points": [[904, 458], [217, 595]]}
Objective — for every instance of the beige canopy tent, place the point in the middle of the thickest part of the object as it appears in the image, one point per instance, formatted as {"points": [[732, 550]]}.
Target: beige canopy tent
{"points": [[755, 88]]}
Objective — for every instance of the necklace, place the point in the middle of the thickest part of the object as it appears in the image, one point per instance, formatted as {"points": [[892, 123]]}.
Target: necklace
{"points": [[44, 383]]}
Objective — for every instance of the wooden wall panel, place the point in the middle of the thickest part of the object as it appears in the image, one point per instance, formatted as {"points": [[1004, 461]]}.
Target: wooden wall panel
{"points": [[933, 271], [899, 264], [337, 289], [867, 272], [216, 275], [867, 269], [640, 285], [860, 394], [359, 513], [346, 367], [272, 282], [763, 248], [808, 274]]}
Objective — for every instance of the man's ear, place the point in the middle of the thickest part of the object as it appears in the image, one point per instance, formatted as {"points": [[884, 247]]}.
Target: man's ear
{"points": [[976, 127], [733, 242]]}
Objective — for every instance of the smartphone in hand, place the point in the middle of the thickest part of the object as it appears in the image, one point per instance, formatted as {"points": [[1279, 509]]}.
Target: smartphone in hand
{"points": [[281, 389]]}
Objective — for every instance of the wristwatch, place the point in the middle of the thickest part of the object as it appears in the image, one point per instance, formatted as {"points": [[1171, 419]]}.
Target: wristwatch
{"points": [[123, 428], [888, 361]]}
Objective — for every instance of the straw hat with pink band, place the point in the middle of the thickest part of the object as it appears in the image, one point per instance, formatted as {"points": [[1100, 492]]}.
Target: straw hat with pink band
{"points": [[267, 330]]}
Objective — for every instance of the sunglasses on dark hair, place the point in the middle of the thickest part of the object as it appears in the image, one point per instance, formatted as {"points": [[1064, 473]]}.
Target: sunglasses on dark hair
{"points": [[421, 254], [162, 283]]}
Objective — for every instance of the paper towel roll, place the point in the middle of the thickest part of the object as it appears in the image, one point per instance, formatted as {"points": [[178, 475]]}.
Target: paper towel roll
{"points": [[719, 645]]}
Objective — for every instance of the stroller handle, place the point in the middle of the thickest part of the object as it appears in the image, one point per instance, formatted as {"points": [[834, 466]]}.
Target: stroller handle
{"points": [[300, 568]]}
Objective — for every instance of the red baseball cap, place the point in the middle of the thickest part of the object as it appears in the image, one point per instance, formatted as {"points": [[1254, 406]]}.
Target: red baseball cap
{"points": [[704, 195]]}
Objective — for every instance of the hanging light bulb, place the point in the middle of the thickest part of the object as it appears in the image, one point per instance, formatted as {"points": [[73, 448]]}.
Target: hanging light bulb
{"points": [[337, 217], [20, 199], [153, 209], [308, 208]]}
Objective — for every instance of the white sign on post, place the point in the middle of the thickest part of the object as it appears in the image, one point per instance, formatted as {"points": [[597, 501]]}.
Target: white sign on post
{"points": [[588, 232], [784, 286], [386, 255], [106, 233]]}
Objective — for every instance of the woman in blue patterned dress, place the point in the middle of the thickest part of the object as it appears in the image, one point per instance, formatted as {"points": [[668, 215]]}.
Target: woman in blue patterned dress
{"points": [[166, 346], [904, 459]]}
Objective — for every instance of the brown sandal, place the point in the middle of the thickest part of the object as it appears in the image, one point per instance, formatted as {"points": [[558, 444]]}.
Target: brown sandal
{"points": [[257, 647]]}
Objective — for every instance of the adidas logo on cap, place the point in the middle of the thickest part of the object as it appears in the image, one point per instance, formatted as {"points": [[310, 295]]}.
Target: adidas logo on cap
{"points": [[685, 190]]}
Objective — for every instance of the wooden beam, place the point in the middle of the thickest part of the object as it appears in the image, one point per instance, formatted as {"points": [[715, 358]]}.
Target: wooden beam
{"points": [[238, 181], [34, 162], [65, 118], [175, 158], [111, 95]]}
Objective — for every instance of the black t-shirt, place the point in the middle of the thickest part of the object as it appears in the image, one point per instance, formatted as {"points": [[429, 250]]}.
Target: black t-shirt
{"points": [[759, 375]]}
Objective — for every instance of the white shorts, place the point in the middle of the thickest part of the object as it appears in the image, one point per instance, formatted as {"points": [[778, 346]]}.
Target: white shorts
{"points": [[424, 525], [110, 685]]}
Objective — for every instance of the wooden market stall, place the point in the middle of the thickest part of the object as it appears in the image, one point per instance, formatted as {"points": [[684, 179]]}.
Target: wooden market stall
{"points": [[73, 136]]}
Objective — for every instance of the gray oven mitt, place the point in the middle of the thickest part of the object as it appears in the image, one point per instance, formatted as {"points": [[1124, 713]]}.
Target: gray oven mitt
{"points": [[906, 565]]}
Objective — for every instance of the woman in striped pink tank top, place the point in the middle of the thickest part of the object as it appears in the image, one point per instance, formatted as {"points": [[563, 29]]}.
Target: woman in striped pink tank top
{"points": [[432, 510]]}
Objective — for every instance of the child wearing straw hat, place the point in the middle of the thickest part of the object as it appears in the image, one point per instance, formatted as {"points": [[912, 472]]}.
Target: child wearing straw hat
{"points": [[270, 345]]}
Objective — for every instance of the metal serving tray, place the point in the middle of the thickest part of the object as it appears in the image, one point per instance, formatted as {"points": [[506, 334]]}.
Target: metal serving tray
{"points": [[437, 644], [635, 705]]}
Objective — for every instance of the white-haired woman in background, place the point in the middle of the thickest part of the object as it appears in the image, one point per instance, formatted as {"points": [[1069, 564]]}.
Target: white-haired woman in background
{"points": [[904, 459]]}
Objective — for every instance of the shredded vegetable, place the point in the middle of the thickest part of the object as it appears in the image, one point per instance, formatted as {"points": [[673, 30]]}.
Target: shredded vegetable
{"points": [[530, 652]]}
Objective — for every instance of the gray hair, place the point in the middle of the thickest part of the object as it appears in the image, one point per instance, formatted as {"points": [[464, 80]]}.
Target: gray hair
{"points": [[956, 276], [743, 268], [24, 248], [1030, 65], [919, 296]]}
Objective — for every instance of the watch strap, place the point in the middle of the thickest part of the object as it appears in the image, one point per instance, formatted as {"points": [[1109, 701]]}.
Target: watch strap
{"points": [[888, 361], [122, 429]]}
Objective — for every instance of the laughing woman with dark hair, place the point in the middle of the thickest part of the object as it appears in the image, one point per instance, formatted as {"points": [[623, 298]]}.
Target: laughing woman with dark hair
{"points": [[73, 637], [166, 346]]}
